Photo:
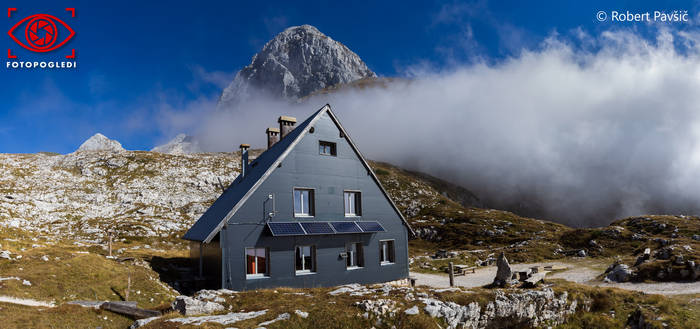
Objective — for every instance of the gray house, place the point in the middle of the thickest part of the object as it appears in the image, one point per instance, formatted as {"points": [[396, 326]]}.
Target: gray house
{"points": [[307, 212]]}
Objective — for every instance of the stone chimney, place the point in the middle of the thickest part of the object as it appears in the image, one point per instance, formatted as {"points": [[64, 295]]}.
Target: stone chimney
{"points": [[244, 159], [273, 136], [286, 125]]}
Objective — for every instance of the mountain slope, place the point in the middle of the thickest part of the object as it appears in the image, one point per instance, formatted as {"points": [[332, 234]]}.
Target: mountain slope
{"points": [[294, 64], [181, 144]]}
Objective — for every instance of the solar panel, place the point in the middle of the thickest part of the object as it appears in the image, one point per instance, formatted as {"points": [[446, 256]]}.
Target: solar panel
{"points": [[370, 226], [317, 228], [282, 229], [346, 227]]}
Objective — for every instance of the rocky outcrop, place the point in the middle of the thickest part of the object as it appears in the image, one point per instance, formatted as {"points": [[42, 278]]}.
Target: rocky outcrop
{"points": [[99, 142], [514, 310], [134, 193], [190, 306], [181, 144], [294, 64]]}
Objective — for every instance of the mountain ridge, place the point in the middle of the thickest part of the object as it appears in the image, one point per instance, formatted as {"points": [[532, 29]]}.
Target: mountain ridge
{"points": [[295, 63]]}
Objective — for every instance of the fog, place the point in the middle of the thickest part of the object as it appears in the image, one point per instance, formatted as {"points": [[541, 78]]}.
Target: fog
{"points": [[578, 134]]}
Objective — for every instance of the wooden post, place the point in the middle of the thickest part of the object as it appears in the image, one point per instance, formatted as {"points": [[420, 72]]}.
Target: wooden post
{"points": [[109, 233], [452, 274], [128, 288]]}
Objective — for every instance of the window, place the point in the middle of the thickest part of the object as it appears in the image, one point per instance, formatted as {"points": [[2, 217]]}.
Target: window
{"points": [[354, 255], [386, 252], [326, 148], [256, 262], [305, 259], [352, 203], [303, 202]]}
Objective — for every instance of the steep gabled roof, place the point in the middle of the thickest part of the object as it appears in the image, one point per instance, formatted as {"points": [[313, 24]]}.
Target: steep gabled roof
{"points": [[242, 188]]}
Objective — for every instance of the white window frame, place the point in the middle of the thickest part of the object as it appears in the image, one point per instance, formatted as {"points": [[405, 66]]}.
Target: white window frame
{"points": [[312, 269], [386, 253], [312, 202], [357, 263], [266, 274], [357, 203], [331, 146]]}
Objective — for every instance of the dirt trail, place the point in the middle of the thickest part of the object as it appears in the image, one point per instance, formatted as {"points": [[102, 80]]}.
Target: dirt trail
{"points": [[575, 273]]}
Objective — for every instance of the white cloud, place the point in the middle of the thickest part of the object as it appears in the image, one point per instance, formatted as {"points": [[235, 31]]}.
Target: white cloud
{"points": [[573, 135]]}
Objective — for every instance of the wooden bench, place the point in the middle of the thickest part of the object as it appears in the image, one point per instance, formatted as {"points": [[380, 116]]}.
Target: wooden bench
{"points": [[535, 279]]}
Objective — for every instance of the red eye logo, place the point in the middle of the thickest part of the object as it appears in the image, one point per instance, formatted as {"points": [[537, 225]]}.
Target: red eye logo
{"points": [[41, 33]]}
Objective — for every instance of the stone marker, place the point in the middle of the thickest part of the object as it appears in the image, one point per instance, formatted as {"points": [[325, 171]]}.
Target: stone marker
{"points": [[504, 275]]}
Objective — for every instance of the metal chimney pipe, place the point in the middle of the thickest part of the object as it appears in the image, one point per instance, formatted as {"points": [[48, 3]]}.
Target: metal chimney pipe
{"points": [[273, 136], [286, 125], [244, 159]]}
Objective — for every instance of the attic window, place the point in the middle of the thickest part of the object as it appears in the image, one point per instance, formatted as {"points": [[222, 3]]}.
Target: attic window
{"points": [[327, 148]]}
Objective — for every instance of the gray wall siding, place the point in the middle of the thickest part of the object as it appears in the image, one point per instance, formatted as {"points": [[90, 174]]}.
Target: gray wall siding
{"points": [[329, 176]]}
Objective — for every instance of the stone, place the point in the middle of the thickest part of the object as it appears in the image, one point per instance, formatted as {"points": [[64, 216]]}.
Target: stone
{"points": [[281, 317], [221, 319], [189, 306], [412, 311], [664, 253], [662, 242], [643, 257], [680, 260], [619, 273], [378, 307], [504, 274], [142, 322], [581, 253], [696, 237], [301, 314], [636, 320], [594, 244]]}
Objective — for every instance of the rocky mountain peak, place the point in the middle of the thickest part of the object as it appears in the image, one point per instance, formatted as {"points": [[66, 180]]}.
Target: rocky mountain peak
{"points": [[181, 144], [99, 142], [295, 63]]}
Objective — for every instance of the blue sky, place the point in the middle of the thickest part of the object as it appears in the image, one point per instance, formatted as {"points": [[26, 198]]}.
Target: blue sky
{"points": [[136, 57]]}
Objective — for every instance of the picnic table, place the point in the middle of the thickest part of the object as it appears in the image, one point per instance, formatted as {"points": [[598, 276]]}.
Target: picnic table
{"points": [[462, 269]]}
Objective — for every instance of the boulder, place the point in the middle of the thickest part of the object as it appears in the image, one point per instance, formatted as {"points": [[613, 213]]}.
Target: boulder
{"points": [[664, 253], [504, 274], [581, 253], [643, 257], [412, 311], [636, 320], [190, 306], [619, 273]]}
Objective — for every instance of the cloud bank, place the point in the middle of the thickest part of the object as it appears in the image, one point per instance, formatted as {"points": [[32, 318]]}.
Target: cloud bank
{"points": [[579, 132]]}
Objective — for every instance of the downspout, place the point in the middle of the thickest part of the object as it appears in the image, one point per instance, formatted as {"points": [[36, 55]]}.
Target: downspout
{"points": [[201, 246]]}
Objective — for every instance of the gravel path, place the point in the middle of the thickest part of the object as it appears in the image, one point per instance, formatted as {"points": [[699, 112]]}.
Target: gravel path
{"points": [[575, 273], [26, 302]]}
